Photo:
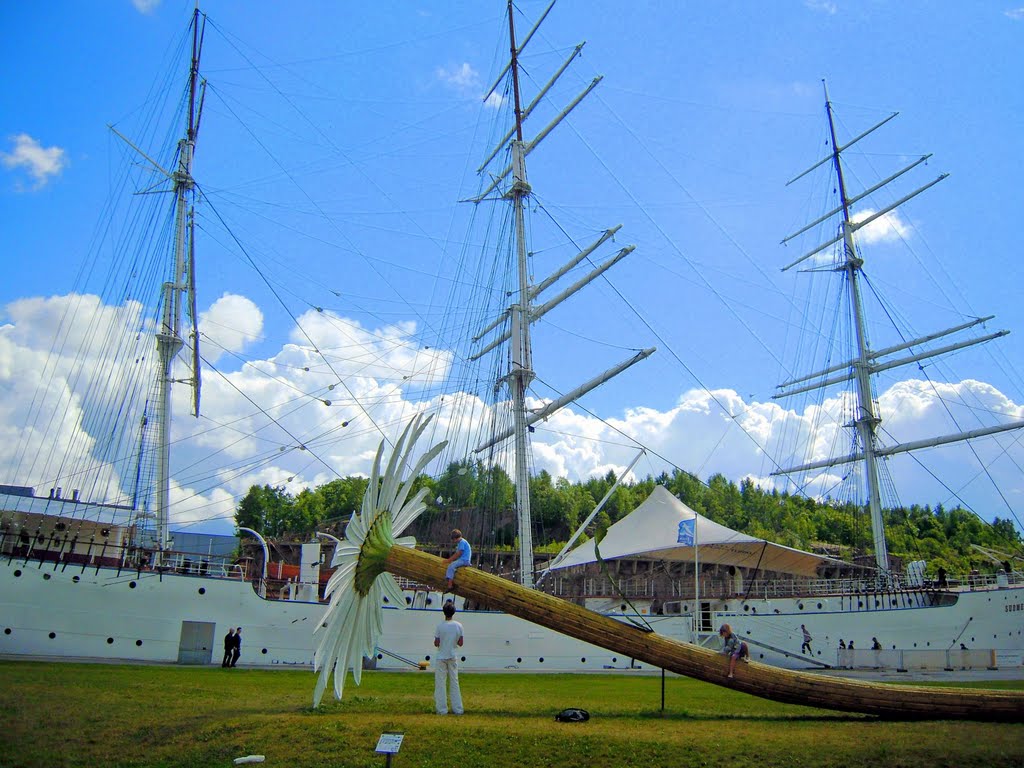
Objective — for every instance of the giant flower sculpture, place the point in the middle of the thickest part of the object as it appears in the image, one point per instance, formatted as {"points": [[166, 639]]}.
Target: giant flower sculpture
{"points": [[371, 553], [354, 621]]}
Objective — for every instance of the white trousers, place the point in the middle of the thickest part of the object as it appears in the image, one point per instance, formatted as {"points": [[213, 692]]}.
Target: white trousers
{"points": [[446, 676]]}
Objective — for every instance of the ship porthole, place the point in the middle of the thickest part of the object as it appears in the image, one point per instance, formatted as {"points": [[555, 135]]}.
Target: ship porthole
{"points": [[541, 660], [264, 651], [463, 658], [746, 607], [46, 577], [427, 658], [202, 590], [17, 574], [518, 661], [408, 600], [110, 641], [430, 601], [800, 606], [386, 599], [75, 579], [380, 656], [614, 660], [819, 606], [132, 585], [7, 631], [583, 660], [622, 607], [53, 635], [138, 643]]}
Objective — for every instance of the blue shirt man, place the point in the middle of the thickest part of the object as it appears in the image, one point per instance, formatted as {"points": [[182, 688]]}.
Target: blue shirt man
{"points": [[459, 557]]}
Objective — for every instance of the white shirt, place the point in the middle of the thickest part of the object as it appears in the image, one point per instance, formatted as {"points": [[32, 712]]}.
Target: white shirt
{"points": [[449, 633]]}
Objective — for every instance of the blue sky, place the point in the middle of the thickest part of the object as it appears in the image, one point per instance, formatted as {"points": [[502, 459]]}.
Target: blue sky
{"points": [[356, 127]]}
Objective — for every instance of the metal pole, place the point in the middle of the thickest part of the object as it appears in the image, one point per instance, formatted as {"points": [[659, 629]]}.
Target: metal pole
{"points": [[266, 558]]}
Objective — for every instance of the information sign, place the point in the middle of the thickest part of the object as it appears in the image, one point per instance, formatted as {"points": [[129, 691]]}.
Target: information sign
{"points": [[389, 743]]}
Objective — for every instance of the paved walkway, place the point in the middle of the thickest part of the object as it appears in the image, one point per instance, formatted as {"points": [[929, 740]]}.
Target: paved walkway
{"points": [[925, 675]]}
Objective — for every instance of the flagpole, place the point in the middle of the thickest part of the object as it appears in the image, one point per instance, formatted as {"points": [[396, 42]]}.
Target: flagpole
{"points": [[696, 572]]}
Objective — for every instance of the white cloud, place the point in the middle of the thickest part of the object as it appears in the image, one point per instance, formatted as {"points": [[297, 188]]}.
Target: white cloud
{"points": [[41, 163], [270, 421], [1017, 14], [825, 6], [230, 324], [885, 229], [461, 77], [466, 81], [146, 6]]}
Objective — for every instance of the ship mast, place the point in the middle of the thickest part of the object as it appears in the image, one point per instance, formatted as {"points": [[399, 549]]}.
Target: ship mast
{"points": [[521, 373], [866, 421], [518, 317], [866, 361], [168, 340]]}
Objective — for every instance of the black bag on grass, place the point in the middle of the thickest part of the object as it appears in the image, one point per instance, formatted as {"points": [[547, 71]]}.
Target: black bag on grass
{"points": [[572, 715]]}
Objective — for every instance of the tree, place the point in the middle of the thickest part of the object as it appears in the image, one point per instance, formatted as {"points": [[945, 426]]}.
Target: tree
{"points": [[343, 496], [264, 509]]}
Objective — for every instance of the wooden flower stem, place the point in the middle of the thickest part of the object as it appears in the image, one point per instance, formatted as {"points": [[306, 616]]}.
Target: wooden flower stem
{"points": [[809, 689]]}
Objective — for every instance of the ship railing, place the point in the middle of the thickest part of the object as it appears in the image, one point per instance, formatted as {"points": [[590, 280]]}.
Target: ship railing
{"points": [[196, 565], [976, 581], [635, 586], [412, 585], [904, 659]]}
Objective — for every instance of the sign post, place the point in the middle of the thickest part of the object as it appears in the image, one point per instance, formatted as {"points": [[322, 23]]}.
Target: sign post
{"points": [[389, 744]]}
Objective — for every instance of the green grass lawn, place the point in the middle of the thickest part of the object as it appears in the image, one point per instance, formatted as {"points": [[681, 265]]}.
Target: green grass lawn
{"points": [[102, 715]]}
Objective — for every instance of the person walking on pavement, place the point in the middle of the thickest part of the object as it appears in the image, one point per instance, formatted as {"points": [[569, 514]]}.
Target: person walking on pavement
{"points": [[236, 651], [229, 647]]}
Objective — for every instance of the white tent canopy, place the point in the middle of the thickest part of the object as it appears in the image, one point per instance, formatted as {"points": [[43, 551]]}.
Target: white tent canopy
{"points": [[664, 528]]}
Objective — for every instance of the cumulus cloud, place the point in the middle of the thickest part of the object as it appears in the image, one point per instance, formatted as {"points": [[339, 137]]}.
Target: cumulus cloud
{"points": [[1017, 14], [39, 162], [230, 324], [885, 229], [290, 419]]}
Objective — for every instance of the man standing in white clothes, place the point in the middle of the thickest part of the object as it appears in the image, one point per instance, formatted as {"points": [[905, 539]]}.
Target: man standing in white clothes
{"points": [[447, 638]]}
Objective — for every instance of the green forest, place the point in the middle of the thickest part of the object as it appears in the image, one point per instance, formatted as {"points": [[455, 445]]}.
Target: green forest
{"points": [[943, 537]]}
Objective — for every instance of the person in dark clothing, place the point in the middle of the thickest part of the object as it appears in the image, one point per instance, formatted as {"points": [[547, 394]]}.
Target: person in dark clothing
{"points": [[236, 651], [229, 647]]}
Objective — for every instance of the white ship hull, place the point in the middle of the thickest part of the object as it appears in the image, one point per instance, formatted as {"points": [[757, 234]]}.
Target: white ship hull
{"points": [[144, 617]]}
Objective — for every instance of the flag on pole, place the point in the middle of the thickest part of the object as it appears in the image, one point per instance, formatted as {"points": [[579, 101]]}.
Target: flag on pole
{"points": [[686, 530]]}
